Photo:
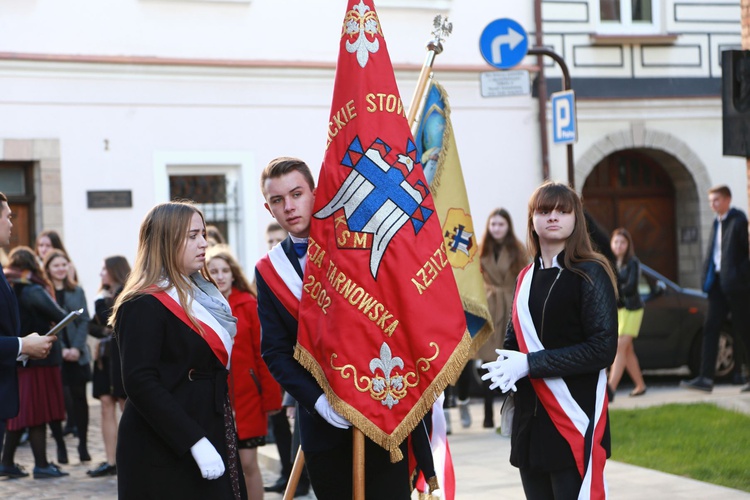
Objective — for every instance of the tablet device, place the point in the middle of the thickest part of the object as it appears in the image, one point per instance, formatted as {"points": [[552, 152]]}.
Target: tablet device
{"points": [[62, 324]]}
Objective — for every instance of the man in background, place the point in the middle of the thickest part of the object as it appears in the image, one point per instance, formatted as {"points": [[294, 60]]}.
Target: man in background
{"points": [[12, 347], [726, 279]]}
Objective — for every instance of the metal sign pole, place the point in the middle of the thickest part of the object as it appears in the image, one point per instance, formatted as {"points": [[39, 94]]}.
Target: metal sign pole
{"points": [[566, 86]]}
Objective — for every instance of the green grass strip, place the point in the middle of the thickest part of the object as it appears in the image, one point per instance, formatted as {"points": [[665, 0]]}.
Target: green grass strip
{"points": [[699, 441]]}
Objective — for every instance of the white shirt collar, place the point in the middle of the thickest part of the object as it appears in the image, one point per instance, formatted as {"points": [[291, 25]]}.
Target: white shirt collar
{"points": [[555, 263]]}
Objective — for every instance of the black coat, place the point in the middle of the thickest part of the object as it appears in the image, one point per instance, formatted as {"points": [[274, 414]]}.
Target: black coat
{"points": [[735, 266], [579, 334], [10, 325], [38, 312], [166, 413], [627, 285], [278, 339]]}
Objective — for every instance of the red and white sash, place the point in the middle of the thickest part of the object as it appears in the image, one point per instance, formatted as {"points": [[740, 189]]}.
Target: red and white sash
{"points": [[279, 274], [583, 436], [214, 334]]}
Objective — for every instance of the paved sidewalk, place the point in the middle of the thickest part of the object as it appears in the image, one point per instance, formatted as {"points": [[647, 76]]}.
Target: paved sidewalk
{"points": [[483, 472], [480, 456]]}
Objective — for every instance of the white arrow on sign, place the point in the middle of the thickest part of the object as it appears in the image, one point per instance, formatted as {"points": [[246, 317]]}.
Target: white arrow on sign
{"points": [[512, 39]]}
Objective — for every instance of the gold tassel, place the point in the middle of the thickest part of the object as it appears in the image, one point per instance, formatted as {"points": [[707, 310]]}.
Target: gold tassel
{"points": [[450, 371]]}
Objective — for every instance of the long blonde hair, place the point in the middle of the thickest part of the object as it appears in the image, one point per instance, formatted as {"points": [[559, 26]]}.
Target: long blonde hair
{"points": [[161, 244], [549, 196]]}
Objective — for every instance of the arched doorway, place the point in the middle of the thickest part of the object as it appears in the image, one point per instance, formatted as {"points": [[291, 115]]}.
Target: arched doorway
{"points": [[630, 189]]}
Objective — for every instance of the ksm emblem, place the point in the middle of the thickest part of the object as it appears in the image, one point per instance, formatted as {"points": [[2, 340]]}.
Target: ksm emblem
{"points": [[460, 243]]}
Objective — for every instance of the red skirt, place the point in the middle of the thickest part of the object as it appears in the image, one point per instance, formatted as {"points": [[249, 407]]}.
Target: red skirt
{"points": [[41, 396]]}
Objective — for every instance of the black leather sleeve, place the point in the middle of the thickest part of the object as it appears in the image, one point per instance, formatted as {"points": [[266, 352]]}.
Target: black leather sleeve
{"points": [[43, 305], [599, 320]]}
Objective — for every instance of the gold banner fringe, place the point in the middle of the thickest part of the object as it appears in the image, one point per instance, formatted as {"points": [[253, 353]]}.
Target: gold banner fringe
{"points": [[390, 442]]}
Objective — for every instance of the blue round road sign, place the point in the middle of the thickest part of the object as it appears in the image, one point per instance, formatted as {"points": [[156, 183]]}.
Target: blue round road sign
{"points": [[503, 43]]}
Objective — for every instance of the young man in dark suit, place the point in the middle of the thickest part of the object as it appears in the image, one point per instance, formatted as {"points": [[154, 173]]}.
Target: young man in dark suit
{"points": [[289, 191], [726, 279], [12, 347]]}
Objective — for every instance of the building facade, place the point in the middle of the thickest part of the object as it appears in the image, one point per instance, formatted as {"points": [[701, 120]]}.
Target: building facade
{"points": [[111, 107]]}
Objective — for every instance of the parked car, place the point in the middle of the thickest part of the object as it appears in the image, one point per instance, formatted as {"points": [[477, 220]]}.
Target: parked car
{"points": [[672, 329]]}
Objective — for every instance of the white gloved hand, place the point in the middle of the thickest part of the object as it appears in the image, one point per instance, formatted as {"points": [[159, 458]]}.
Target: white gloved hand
{"points": [[324, 409], [208, 459], [510, 367]]}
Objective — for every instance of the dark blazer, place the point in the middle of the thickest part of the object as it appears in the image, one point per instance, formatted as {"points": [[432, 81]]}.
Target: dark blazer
{"points": [[278, 339], [577, 322], [166, 413], [735, 266], [627, 285], [10, 325]]}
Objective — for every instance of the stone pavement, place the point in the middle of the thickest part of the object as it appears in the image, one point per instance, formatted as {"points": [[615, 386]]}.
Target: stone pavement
{"points": [[480, 457]]}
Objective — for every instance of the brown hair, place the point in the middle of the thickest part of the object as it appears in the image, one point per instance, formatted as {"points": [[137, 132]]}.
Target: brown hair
{"points": [[213, 233], [549, 196], [161, 243], [282, 166], [117, 268], [274, 226], [23, 258], [54, 239], [722, 190], [621, 231], [51, 255], [240, 281], [516, 250]]}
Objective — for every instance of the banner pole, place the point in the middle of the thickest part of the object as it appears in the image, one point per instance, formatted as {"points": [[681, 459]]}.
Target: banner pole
{"points": [[358, 465], [291, 485], [442, 28]]}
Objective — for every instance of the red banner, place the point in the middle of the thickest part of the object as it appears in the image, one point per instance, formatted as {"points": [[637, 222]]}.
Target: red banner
{"points": [[381, 326]]}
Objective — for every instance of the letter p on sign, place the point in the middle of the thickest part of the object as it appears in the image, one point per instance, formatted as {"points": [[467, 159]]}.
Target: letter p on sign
{"points": [[564, 129]]}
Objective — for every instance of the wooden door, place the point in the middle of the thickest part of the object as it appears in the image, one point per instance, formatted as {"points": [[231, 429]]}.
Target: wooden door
{"points": [[631, 190]]}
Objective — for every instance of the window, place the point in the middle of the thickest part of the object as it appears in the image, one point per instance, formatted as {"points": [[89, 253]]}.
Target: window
{"points": [[215, 196], [628, 16]]}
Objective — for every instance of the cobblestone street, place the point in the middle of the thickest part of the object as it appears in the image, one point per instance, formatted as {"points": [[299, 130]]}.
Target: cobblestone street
{"points": [[78, 485]]}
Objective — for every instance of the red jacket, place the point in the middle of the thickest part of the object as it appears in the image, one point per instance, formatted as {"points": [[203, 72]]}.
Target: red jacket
{"points": [[252, 388]]}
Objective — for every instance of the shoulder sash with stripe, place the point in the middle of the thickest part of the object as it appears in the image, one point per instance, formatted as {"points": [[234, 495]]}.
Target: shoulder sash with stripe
{"points": [[281, 277], [215, 335], [582, 434]]}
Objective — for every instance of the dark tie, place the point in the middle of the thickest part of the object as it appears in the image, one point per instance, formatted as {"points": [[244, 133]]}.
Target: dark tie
{"points": [[300, 249], [711, 271]]}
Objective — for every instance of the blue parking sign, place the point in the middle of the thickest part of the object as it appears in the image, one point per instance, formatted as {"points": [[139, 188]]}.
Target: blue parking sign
{"points": [[503, 43], [564, 129]]}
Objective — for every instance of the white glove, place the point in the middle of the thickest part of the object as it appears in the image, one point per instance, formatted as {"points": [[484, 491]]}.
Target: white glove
{"points": [[208, 459], [510, 367], [324, 409]]}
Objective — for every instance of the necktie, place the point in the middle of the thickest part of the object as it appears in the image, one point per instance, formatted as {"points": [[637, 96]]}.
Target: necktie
{"points": [[300, 249]]}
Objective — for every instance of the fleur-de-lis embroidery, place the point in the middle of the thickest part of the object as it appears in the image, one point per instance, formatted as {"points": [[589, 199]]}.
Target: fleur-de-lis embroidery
{"points": [[386, 363], [359, 22], [391, 386]]}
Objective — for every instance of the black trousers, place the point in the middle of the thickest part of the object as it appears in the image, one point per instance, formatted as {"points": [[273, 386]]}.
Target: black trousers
{"points": [[720, 305], [558, 485], [331, 473], [282, 435]]}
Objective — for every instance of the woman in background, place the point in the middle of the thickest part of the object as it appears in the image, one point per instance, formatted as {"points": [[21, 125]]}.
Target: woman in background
{"points": [[502, 257], [50, 240], [254, 392], [629, 312], [39, 381], [76, 368], [175, 331], [107, 378]]}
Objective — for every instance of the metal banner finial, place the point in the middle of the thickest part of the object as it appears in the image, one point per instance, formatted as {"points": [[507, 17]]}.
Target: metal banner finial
{"points": [[442, 29]]}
